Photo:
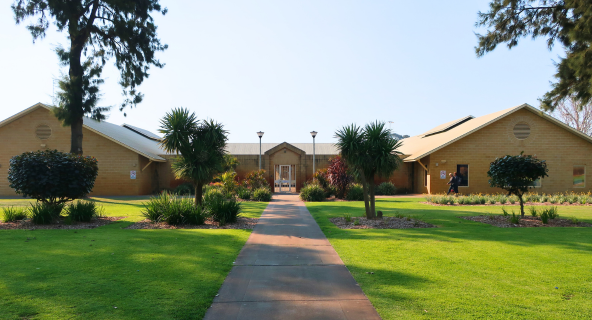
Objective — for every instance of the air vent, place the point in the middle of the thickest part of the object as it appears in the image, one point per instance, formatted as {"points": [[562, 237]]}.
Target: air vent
{"points": [[43, 132], [521, 131]]}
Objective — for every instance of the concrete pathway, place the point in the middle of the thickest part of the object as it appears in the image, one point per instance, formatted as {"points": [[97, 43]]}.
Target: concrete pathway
{"points": [[288, 270]]}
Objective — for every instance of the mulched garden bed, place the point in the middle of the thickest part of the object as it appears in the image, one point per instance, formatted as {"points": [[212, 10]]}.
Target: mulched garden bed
{"points": [[242, 223], [509, 204], [385, 223], [526, 222], [60, 224]]}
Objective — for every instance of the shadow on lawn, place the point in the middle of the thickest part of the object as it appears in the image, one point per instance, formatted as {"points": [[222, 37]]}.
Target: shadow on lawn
{"points": [[145, 273], [451, 227]]}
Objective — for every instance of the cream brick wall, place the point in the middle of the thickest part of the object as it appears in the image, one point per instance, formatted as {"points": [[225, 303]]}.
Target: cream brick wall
{"points": [[559, 147], [115, 161]]}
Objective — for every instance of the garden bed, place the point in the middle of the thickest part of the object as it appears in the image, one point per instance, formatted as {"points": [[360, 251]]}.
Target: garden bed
{"points": [[60, 224], [526, 222], [385, 223], [509, 204], [242, 223]]}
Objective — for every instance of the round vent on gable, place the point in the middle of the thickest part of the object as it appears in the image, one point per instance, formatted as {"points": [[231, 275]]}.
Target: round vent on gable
{"points": [[521, 131], [43, 132]]}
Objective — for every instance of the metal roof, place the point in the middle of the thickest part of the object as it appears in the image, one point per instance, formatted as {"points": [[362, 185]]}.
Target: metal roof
{"points": [[253, 148], [128, 138], [419, 146]]}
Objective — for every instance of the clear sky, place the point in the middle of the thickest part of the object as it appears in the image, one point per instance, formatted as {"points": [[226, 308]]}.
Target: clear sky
{"points": [[290, 67]]}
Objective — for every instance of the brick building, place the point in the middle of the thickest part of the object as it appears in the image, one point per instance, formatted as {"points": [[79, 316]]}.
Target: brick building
{"points": [[131, 161]]}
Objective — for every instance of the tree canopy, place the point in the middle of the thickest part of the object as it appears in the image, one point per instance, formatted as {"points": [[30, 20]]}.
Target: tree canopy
{"points": [[565, 21], [516, 174], [97, 30], [369, 152], [201, 143]]}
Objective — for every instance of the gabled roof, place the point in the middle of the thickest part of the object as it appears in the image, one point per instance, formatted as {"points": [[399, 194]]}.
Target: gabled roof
{"points": [[253, 148], [419, 146], [125, 137]]}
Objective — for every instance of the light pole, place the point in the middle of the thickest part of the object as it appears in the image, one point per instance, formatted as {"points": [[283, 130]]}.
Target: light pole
{"points": [[260, 134], [313, 134]]}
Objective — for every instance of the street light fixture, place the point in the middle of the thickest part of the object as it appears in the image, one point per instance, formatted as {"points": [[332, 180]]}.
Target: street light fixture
{"points": [[260, 134], [313, 134]]}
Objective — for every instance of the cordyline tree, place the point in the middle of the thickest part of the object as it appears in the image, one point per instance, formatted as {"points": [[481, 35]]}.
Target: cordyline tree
{"points": [[369, 152], [201, 144], [339, 176], [516, 174], [567, 21], [97, 30]]}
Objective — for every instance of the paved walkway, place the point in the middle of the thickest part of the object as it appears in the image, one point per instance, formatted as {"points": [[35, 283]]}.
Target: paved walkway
{"points": [[289, 270]]}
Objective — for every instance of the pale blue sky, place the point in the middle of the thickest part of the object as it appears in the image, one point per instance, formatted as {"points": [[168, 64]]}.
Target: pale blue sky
{"points": [[290, 67]]}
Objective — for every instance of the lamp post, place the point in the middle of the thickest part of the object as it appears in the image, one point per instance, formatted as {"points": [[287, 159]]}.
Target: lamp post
{"points": [[313, 134], [260, 134]]}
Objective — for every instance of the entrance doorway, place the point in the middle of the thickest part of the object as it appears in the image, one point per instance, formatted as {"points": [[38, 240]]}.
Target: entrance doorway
{"points": [[285, 178]]}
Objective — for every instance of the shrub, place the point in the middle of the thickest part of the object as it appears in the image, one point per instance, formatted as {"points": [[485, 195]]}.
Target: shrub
{"points": [[312, 192], [504, 212], [545, 217], [173, 210], [12, 214], [347, 217], [338, 176], [44, 212], [533, 211], [262, 194], [83, 211], [52, 176], [185, 189], [515, 219], [355, 192], [256, 179], [211, 195], [553, 213], [243, 193], [224, 211], [229, 183], [387, 188]]}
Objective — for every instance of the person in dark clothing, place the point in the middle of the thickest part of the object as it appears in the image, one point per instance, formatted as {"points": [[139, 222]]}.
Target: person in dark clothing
{"points": [[453, 182]]}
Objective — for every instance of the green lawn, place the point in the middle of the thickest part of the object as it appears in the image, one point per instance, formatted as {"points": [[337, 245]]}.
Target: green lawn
{"points": [[465, 269], [85, 274]]}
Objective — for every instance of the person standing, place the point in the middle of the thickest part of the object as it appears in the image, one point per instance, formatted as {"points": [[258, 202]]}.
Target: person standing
{"points": [[453, 182]]}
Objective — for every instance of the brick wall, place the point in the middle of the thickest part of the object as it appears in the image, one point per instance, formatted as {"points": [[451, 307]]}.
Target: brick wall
{"points": [[115, 161], [559, 147]]}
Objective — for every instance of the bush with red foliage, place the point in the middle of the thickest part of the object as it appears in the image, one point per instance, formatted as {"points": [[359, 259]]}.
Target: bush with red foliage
{"points": [[338, 176]]}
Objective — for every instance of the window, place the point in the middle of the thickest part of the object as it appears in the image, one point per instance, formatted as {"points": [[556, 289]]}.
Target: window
{"points": [[579, 176], [462, 171], [425, 178], [536, 183]]}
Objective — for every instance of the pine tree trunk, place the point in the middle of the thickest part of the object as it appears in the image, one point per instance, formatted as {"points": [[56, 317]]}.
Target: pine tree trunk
{"points": [[76, 95], [198, 194]]}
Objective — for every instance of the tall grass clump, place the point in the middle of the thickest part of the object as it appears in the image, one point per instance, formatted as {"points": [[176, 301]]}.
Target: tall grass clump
{"points": [[12, 214], [173, 210], [224, 211], [83, 211], [44, 212]]}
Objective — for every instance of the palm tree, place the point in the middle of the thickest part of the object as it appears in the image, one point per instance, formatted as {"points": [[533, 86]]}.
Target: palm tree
{"points": [[370, 152], [201, 144]]}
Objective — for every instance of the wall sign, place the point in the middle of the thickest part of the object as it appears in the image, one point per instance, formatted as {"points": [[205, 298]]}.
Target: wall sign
{"points": [[442, 174], [132, 174]]}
